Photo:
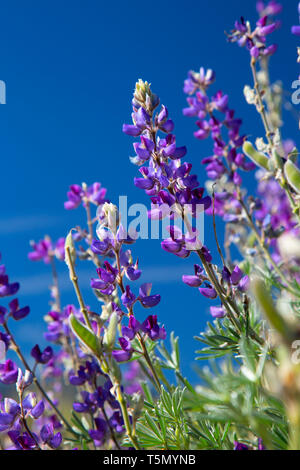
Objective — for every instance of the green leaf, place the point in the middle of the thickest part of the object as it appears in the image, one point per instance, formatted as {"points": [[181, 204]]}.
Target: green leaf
{"points": [[266, 303], [87, 337]]}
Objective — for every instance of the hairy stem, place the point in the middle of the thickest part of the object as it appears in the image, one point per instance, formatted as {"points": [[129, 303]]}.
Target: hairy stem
{"points": [[74, 280]]}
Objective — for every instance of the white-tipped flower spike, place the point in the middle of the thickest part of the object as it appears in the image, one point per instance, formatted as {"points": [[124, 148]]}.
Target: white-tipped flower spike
{"points": [[70, 251], [108, 218]]}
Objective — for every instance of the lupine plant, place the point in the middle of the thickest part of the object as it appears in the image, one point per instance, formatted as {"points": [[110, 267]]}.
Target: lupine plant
{"points": [[127, 388]]}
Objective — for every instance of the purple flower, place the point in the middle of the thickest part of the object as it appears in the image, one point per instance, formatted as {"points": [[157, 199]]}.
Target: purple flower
{"points": [[32, 407], [201, 80], [260, 445], [208, 291], [74, 197], [85, 373], [236, 275], [128, 298], [125, 353], [42, 357], [16, 312], [244, 284], [116, 421], [106, 281], [217, 312], [272, 8], [98, 434], [48, 437], [101, 247], [93, 194], [151, 327], [23, 441], [37, 410], [236, 278], [295, 30], [240, 446], [197, 279], [133, 273], [7, 289], [42, 250], [176, 244], [12, 411], [145, 298], [254, 41], [9, 413], [131, 130], [133, 327], [89, 403], [8, 372]]}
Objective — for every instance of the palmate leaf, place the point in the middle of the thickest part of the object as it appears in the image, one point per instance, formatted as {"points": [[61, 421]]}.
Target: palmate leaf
{"points": [[163, 424], [220, 340], [170, 360], [229, 396], [152, 424], [148, 438]]}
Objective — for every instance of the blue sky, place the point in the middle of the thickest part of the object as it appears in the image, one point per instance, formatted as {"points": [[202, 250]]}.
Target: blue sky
{"points": [[70, 69]]}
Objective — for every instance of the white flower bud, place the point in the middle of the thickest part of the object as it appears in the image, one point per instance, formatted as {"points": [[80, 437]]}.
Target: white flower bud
{"points": [[249, 95]]}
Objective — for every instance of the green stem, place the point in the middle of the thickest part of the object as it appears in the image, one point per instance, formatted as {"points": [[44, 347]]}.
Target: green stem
{"points": [[269, 134], [123, 405], [263, 247], [25, 422], [149, 362], [261, 109], [74, 280]]}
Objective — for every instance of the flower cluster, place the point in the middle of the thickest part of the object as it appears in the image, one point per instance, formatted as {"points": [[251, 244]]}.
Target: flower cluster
{"points": [[149, 327], [100, 403], [8, 369], [255, 41], [84, 194], [45, 250], [14, 417], [111, 277], [7, 288], [166, 179], [217, 120]]}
